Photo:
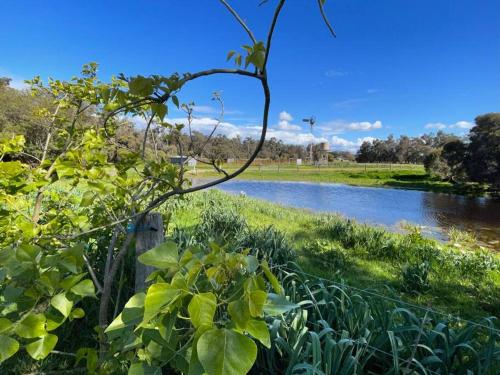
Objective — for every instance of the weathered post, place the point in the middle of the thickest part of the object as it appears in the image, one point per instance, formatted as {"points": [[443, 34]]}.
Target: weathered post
{"points": [[149, 234]]}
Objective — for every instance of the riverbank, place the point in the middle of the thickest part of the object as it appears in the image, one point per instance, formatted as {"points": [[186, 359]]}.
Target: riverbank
{"points": [[404, 176], [456, 277]]}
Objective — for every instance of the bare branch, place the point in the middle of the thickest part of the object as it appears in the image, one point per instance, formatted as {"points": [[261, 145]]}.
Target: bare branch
{"points": [[146, 134], [325, 18], [92, 274], [240, 20], [271, 32]]}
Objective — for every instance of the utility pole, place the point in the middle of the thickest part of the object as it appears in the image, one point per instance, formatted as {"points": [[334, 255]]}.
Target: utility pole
{"points": [[311, 120]]}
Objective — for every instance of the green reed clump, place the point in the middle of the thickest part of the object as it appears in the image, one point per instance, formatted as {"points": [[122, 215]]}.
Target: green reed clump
{"points": [[415, 277], [267, 243], [221, 224], [327, 254], [342, 331]]}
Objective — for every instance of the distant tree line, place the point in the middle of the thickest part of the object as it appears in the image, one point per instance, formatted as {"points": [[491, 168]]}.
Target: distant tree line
{"points": [[475, 157], [446, 156], [402, 150]]}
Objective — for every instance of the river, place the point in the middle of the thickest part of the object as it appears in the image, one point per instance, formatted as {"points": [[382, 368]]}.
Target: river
{"points": [[436, 213]]}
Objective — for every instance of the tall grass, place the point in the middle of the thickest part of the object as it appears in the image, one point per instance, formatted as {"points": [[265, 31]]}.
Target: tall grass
{"points": [[339, 329]]}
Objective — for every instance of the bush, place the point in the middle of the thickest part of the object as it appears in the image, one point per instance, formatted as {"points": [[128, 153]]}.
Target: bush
{"points": [[221, 224], [267, 243], [415, 277], [327, 254]]}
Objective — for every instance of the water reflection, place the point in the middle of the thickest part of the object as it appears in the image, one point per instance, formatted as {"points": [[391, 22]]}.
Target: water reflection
{"points": [[434, 211]]}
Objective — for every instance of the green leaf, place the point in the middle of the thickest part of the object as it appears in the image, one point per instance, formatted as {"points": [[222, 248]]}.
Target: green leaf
{"points": [[272, 279], [8, 347], [175, 100], [31, 326], [62, 304], [230, 54], [237, 60], [87, 199], [277, 304], [143, 369], [160, 110], [162, 256], [239, 312], [158, 295], [85, 288], [42, 347], [141, 86], [71, 281], [259, 330], [77, 313], [202, 308], [256, 301], [226, 352], [90, 356], [5, 324], [132, 314]]}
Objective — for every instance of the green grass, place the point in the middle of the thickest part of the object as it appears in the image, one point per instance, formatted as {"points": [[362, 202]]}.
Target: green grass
{"points": [[368, 267]]}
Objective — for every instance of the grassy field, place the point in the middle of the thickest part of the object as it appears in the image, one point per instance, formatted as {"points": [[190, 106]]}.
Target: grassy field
{"points": [[366, 257], [382, 175]]}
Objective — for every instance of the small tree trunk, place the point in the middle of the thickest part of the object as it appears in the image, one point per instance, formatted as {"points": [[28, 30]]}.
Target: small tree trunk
{"points": [[149, 234]]}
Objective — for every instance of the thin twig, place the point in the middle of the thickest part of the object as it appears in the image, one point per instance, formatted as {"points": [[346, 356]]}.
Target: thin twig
{"points": [[240, 20], [271, 32], [92, 274], [325, 18]]}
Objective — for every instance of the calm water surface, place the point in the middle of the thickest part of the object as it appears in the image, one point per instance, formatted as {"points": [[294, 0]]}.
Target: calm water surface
{"points": [[435, 212]]}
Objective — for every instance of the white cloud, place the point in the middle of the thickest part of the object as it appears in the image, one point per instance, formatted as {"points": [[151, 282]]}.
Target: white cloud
{"points": [[332, 73], [16, 82], [203, 109], [284, 131], [284, 123], [365, 125], [462, 125], [456, 125], [342, 144], [285, 116], [341, 126], [435, 125]]}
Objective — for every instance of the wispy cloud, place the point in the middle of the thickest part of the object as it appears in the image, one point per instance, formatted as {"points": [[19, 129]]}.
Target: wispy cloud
{"points": [[333, 73], [457, 125], [348, 104], [283, 130], [17, 82]]}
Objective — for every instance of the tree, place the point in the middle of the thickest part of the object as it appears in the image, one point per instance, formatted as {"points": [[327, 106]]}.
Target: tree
{"points": [[68, 222], [483, 154]]}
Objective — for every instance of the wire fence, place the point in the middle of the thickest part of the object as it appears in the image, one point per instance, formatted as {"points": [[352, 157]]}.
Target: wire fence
{"points": [[396, 301]]}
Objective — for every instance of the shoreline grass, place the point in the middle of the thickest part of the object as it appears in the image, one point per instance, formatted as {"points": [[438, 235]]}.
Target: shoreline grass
{"points": [[371, 254]]}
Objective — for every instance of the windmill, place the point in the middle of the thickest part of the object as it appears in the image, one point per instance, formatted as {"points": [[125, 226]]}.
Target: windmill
{"points": [[311, 121]]}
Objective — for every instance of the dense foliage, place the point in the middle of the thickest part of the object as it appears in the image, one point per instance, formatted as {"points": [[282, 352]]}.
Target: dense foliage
{"points": [[348, 330], [476, 159]]}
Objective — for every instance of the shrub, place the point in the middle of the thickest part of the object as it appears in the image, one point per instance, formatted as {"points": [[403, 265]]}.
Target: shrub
{"points": [[327, 254], [267, 243], [221, 224], [415, 277]]}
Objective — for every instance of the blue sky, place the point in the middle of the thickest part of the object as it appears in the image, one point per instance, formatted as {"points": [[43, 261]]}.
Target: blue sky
{"points": [[400, 67]]}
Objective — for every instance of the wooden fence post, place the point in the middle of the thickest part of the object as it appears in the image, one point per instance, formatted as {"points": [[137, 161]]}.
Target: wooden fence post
{"points": [[149, 234]]}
